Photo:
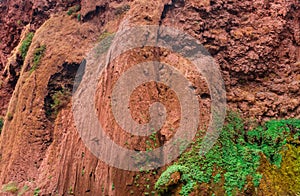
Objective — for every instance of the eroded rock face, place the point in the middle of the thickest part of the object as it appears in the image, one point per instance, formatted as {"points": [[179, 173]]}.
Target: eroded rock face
{"points": [[15, 17], [256, 44]]}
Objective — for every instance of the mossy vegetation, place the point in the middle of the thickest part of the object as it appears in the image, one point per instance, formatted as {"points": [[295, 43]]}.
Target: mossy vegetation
{"points": [[163, 181], [26, 44], [37, 56], [60, 99], [234, 160], [104, 35], [11, 187], [36, 192], [284, 180], [105, 39], [73, 10]]}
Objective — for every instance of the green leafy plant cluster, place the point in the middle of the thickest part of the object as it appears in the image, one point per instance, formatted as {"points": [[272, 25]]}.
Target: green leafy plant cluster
{"points": [[26, 44], [166, 176], [235, 157], [38, 54]]}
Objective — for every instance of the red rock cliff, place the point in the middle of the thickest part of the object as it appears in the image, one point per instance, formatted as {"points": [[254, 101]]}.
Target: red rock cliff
{"points": [[256, 44]]}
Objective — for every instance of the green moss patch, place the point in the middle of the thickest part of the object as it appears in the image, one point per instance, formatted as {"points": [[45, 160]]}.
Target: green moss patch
{"points": [[11, 187], [26, 44], [38, 54], [235, 158]]}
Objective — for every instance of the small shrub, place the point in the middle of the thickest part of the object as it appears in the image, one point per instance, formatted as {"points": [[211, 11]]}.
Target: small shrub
{"points": [[11, 187], [26, 44]]}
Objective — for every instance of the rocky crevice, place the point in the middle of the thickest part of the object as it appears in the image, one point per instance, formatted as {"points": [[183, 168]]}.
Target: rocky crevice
{"points": [[60, 87]]}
